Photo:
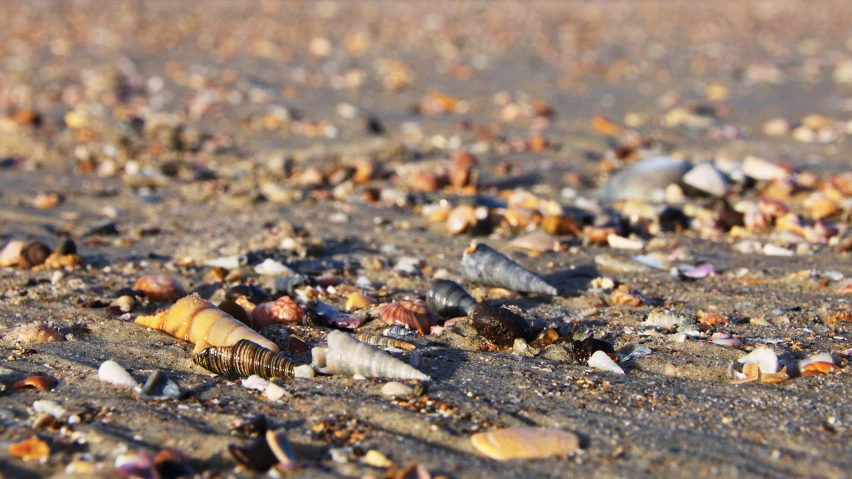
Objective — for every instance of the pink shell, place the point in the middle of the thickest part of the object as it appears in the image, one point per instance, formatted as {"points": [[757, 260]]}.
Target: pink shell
{"points": [[282, 310], [160, 288], [409, 314]]}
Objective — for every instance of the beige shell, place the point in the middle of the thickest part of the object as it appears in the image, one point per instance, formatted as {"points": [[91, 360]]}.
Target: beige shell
{"points": [[525, 443], [193, 319], [409, 314], [347, 356], [160, 288]]}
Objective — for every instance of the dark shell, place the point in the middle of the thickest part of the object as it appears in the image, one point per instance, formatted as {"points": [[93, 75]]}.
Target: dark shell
{"points": [[583, 350], [255, 455], [66, 246], [237, 311], [449, 299], [499, 325], [244, 359], [484, 265], [34, 254], [250, 291]]}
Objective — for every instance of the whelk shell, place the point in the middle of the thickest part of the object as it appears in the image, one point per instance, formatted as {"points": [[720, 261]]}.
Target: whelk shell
{"points": [[525, 443], [160, 288], [449, 299], [347, 356], [384, 341], [410, 314], [483, 264], [244, 359], [601, 360]]}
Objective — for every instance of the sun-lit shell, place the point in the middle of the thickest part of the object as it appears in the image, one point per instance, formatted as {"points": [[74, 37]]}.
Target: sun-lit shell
{"points": [[560, 225], [410, 314], [32, 449], [112, 372], [57, 260], [725, 339], [484, 265], [384, 341], [358, 301], [765, 358], [449, 299], [244, 359], [282, 310], [624, 296], [10, 256], [461, 218], [37, 333], [193, 319], [601, 360], [347, 356], [525, 443], [37, 382], [537, 241], [160, 288], [819, 367]]}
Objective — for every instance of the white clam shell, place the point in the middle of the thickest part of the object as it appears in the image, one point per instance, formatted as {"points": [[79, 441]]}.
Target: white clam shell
{"points": [[599, 360], [50, 407], [347, 356], [111, 372], [725, 339], [765, 358]]}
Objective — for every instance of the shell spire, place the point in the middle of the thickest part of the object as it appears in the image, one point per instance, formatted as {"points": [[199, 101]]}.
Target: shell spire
{"points": [[193, 319], [483, 264], [346, 355], [244, 359], [449, 299]]}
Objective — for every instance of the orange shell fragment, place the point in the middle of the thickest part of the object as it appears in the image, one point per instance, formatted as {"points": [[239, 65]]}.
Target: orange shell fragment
{"points": [[819, 367], [31, 449]]}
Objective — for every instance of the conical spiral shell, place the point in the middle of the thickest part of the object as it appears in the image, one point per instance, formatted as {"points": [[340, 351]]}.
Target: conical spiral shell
{"points": [[193, 319], [384, 341], [449, 299], [484, 265], [244, 359], [347, 356]]}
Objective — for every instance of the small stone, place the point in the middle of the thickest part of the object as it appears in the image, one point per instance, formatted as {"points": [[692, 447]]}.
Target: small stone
{"points": [[706, 178]]}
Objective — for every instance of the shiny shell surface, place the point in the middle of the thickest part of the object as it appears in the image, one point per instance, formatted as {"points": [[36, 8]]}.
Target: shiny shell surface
{"points": [[160, 288], [525, 443], [409, 314]]}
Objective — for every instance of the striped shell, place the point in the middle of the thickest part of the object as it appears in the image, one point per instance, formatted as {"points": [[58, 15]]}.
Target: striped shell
{"points": [[160, 288], [347, 356], [525, 443], [449, 299], [384, 341], [410, 314], [484, 265], [244, 359], [282, 310]]}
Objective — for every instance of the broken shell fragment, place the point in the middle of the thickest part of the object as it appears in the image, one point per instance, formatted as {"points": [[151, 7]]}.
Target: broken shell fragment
{"points": [[281, 311], [111, 372], [449, 299], [37, 333], [32, 449], [245, 358], [409, 314], [484, 265], [765, 358], [818, 367], [346, 355], [525, 443], [160, 288], [601, 360], [37, 382]]}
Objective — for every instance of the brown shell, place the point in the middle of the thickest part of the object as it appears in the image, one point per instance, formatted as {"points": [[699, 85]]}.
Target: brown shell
{"points": [[282, 310], [160, 288], [37, 382], [33, 254], [409, 314]]}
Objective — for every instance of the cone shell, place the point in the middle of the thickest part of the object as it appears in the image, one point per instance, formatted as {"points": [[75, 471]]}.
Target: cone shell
{"points": [[160, 288], [409, 314], [449, 299], [193, 319], [483, 264], [347, 356], [282, 310], [525, 443], [601, 361]]}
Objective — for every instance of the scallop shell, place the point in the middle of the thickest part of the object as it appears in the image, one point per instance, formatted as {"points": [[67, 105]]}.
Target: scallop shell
{"points": [[111, 372], [410, 314], [282, 310], [601, 361], [160, 288], [449, 299], [484, 265], [347, 356], [765, 358], [525, 443]]}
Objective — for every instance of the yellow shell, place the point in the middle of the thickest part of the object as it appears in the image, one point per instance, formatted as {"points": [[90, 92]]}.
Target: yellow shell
{"points": [[525, 443]]}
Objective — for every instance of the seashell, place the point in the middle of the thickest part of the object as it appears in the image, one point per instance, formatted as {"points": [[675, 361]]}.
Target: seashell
{"points": [[254, 294], [525, 443], [270, 267], [37, 382], [819, 367], [461, 218], [47, 406], [11, 254], [159, 386], [256, 455], [33, 254], [663, 318], [521, 348], [644, 181], [124, 303], [708, 179], [281, 449], [395, 388], [765, 358], [761, 169], [358, 301], [347, 356], [384, 341], [482, 264], [244, 359], [56, 260], [160, 288], [601, 360], [281, 311], [775, 378], [584, 349], [449, 299], [410, 314], [375, 458], [725, 339], [37, 333], [111, 372], [625, 296], [537, 241], [193, 319], [499, 325], [32, 449], [290, 284], [560, 225]]}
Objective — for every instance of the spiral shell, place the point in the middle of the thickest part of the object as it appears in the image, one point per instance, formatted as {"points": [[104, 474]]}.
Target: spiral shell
{"points": [[282, 310], [384, 341], [160, 288], [410, 314], [347, 356], [194, 320], [33, 254], [244, 359], [525, 443], [483, 264], [449, 299]]}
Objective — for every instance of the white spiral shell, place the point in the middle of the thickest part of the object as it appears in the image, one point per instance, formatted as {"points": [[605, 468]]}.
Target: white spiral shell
{"points": [[346, 355]]}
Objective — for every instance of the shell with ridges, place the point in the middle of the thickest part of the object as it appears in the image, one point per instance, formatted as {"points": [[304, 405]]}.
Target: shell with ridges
{"points": [[449, 299], [384, 341], [282, 310], [193, 319], [410, 314], [484, 265], [525, 443], [244, 359], [347, 356]]}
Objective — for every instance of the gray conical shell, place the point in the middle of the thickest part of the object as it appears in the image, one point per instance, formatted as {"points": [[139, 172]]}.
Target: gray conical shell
{"points": [[484, 265], [347, 356]]}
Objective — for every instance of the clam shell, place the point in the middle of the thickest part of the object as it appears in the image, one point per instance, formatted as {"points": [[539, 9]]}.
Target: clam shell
{"points": [[601, 361], [410, 314], [111, 372], [525, 443], [765, 358]]}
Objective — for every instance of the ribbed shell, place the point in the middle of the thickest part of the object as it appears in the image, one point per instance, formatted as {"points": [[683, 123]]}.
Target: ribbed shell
{"points": [[410, 314], [484, 265], [449, 299], [383, 341], [244, 359], [347, 356]]}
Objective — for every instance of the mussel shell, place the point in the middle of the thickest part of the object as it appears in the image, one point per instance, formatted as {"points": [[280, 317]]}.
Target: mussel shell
{"points": [[583, 350], [499, 325], [34, 254]]}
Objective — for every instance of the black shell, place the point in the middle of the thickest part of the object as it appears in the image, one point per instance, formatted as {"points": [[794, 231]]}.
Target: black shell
{"points": [[288, 285], [499, 325], [244, 359], [484, 265], [449, 299], [250, 291]]}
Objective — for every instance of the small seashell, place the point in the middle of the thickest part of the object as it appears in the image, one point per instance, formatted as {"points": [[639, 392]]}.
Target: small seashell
{"points": [[244, 359], [537, 241], [125, 303], [48, 406], [347, 356], [33, 254], [521, 348], [37, 382], [560, 225], [583, 350], [525, 443], [601, 360], [499, 325], [761, 169], [449, 299], [375, 458], [461, 218], [725, 339], [270, 267], [713, 319], [358, 301], [281, 448], [819, 367], [255, 383], [663, 318], [384, 341], [482, 264], [37, 333], [32, 449], [281, 311], [409, 314], [159, 386], [671, 370], [11, 254], [275, 392], [644, 181], [111, 372], [256, 455], [395, 388], [160, 288], [765, 358], [625, 296], [619, 242], [775, 378], [706, 178]]}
